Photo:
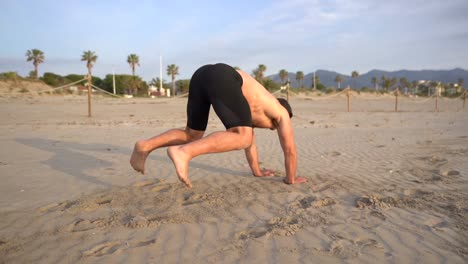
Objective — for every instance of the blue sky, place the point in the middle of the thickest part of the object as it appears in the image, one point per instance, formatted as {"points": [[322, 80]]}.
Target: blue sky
{"points": [[306, 35]]}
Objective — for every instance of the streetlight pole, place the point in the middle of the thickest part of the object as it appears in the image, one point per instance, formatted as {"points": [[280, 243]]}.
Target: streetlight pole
{"points": [[113, 79]]}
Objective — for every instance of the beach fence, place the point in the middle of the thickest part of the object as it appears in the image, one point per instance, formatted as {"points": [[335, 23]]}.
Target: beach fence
{"points": [[70, 86], [374, 102]]}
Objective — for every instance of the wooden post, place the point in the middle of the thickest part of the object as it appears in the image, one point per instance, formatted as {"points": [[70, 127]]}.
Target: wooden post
{"points": [[464, 99], [349, 99], [89, 94], [397, 92]]}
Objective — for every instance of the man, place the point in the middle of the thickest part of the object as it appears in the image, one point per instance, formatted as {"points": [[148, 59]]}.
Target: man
{"points": [[242, 104]]}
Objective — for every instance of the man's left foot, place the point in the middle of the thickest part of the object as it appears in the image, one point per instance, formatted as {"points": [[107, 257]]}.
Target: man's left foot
{"points": [[139, 156]]}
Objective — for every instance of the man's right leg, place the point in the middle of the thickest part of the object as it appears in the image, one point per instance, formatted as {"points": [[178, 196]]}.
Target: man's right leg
{"points": [[235, 138], [169, 138]]}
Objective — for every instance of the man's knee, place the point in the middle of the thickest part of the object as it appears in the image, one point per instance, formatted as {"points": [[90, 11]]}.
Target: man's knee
{"points": [[245, 136], [193, 134]]}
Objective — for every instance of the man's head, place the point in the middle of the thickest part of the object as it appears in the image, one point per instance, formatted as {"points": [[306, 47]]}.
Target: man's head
{"points": [[286, 105]]}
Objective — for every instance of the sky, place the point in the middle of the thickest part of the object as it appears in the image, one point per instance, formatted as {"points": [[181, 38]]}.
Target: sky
{"points": [[296, 35]]}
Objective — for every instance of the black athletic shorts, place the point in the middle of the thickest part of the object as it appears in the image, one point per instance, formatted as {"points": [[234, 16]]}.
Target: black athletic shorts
{"points": [[219, 85]]}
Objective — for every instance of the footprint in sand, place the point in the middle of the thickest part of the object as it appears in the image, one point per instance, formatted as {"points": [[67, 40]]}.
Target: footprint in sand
{"points": [[253, 233], [416, 193], [104, 200], [333, 154], [378, 214], [144, 183], [284, 226], [115, 247], [449, 173], [375, 201], [436, 160], [57, 206], [161, 188], [138, 222], [311, 201], [104, 249], [343, 247], [436, 224], [193, 198], [84, 225]]}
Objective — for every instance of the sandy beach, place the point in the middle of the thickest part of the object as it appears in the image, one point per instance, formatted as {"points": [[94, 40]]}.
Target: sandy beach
{"points": [[383, 186]]}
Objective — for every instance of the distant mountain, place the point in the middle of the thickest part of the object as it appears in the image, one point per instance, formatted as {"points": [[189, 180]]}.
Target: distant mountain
{"points": [[328, 77]]}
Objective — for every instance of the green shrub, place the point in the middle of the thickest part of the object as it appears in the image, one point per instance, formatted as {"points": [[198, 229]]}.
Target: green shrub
{"points": [[329, 90], [365, 89], [9, 76], [270, 85], [53, 79]]}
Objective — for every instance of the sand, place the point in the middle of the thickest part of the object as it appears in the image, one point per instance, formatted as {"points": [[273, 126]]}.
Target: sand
{"points": [[382, 186]]}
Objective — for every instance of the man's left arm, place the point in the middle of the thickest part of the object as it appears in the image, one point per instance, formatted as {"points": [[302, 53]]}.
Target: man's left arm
{"points": [[286, 137]]}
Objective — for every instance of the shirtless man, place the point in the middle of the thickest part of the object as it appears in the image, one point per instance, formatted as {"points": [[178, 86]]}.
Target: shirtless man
{"points": [[242, 104]]}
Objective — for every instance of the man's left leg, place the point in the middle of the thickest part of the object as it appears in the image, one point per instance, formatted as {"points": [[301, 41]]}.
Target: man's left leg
{"points": [[169, 138]]}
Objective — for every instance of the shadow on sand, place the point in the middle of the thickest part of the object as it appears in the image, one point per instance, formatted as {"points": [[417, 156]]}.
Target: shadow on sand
{"points": [[68, 157]]}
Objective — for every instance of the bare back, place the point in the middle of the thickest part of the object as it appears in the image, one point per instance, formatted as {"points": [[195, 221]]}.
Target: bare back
{"points": [[264, 107]]}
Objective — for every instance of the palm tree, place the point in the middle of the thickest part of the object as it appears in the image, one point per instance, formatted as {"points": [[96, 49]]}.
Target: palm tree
{"points": [[37, 57], [433, 85], [134, 61], [354, 75], [338, 80], [173, 70], [415, 85], [259, 72], [375, 82], [385, 83], [156, 82], [90, 57], [315, 81], [283, 74], [262, 69], [404, 83], [393, 82], [300, 78]]}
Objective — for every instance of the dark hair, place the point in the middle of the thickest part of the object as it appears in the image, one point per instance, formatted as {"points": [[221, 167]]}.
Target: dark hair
{"points": [[286, 105]]}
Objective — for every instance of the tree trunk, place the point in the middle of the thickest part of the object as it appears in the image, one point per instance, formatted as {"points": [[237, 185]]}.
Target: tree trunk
{"points": [[35, 70], [173, 86], [133, 82], [89, 91]]}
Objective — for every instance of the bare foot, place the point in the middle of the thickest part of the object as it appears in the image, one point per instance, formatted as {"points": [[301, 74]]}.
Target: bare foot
{"points": [[139, 156], [180, 160], [296, 180], [266, 173]]}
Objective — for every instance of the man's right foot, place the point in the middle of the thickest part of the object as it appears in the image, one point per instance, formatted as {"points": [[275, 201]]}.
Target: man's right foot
{"points": [[139, 156], [180, 160]]}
